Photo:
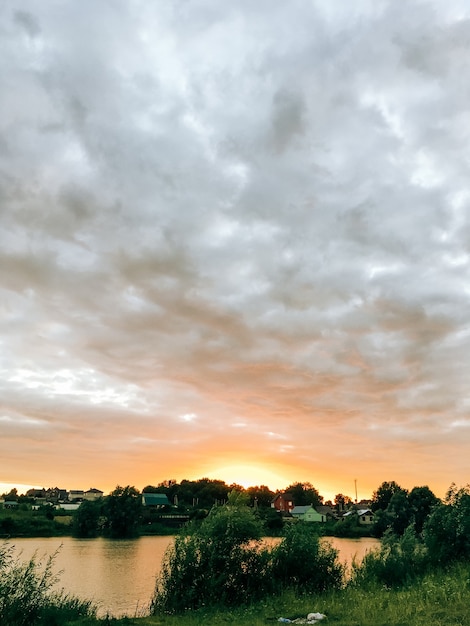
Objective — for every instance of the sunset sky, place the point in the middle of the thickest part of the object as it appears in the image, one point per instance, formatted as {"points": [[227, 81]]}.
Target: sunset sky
{"points": [[235, 243]]}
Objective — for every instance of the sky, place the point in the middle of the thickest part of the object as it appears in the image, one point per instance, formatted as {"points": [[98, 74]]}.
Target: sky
{"points": [[235, 243]]}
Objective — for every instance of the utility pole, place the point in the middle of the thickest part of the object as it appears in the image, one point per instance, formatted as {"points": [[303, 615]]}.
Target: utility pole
{"points": [[355, 487]]}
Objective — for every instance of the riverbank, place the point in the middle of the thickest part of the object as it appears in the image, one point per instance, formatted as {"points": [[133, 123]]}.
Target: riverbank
{"points": [[440, 599], [31, 524]]}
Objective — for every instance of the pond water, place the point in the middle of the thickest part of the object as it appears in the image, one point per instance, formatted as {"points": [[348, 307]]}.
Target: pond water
{"points": [[119, 575]]}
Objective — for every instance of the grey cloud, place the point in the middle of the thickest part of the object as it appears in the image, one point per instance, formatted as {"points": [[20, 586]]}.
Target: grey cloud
{"points": [[260, 209]]}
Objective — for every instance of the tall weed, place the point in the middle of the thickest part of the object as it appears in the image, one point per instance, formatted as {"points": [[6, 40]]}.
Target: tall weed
{"points": [[27, 597]]}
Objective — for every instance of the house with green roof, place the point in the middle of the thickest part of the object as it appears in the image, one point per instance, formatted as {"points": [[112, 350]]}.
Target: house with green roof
{"points": [[155, 500]]}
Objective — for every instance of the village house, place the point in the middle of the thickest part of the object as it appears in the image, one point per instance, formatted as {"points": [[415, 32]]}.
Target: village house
{"points": [[283, 502], [8, 504], [55, 494], [92, 494], [328, 511], [155, 500], [365, 516], [37, 494], [76, 494], [308, 513]]}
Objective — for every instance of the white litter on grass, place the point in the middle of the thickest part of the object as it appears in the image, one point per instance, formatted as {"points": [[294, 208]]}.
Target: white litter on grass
{"points": [[312, 618], [315, 616]]}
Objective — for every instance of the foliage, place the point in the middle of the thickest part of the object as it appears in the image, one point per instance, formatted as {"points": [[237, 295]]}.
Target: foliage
{"points": [[27, 597], [304, 493], [260, 496], [398, 561], [222, 562], [302, 563], [446, 531], [86, 519], [122, 510], [342, 502], [217, 562], [272, 520], [399, 510], [395, 509], [203, 493], [11, 495], [422, 501], [382, 522], [382, 496]]}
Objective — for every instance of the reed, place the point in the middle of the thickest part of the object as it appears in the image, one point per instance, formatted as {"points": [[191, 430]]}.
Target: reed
{"points": [[28, 595]]}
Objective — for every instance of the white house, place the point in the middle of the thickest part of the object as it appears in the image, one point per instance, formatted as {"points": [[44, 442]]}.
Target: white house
{"points": [[92, 494]]}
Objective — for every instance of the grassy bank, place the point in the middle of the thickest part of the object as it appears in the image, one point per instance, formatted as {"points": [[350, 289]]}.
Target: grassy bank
{"points": [[440, 599], [29, 523]]}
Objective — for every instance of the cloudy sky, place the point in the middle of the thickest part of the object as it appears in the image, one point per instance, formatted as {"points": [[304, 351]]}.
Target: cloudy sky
{"points": [[235, 242]]}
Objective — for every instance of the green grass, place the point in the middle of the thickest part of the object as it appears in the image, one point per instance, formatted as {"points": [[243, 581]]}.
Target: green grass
{"points": [[28, 523], [439, 599]]}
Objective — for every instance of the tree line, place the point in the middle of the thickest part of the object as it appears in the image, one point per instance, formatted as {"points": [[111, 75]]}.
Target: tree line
{"points": [[121, 514]]}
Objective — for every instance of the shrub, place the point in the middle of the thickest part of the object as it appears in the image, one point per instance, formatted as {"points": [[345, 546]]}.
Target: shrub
{"points": [[446, 531], [218, 562], [302, 563], [221, 562], [398, 561], [27, 597]]}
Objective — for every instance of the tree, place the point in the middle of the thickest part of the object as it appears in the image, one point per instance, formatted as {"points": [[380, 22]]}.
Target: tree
{"points": [[12, 495], [202, 493], [304, 493], [260, 496], [422, 501], [381, 498], [86, 519], [446, 532], [342, 502], [122, 510], [400, 511]]}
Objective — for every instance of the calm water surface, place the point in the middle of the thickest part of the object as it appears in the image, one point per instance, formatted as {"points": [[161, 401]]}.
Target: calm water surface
{"points": [[119, 575]]}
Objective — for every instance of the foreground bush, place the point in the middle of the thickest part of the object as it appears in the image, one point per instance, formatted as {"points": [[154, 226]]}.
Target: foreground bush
{"points": [[222, 562], [218, 562], [398, 561], [447, 530], [302, 563], [27, 597]]}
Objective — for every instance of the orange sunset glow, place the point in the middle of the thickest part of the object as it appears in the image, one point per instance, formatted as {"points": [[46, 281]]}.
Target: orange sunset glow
{"points": [[234, 244]]}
